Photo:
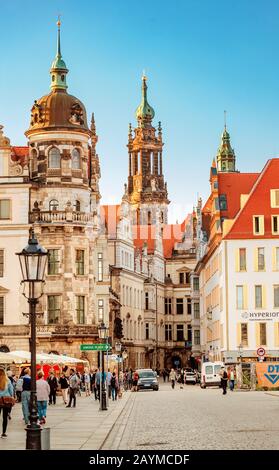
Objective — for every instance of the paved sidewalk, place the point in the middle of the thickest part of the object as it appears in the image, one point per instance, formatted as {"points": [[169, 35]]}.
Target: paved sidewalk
{"points": [[84, 427]]}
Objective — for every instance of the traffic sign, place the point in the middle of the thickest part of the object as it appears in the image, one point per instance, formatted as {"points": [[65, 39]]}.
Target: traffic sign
{"points": [[95, 347], [260, 352]]}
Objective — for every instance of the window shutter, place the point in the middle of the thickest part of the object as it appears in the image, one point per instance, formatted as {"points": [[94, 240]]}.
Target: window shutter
{"points": [[238, 334], [237, 254], [262, 225], [263, 297], [255, 259], [257, 326], [272, 198], [276, 333], [273, 258], [245, 297]]}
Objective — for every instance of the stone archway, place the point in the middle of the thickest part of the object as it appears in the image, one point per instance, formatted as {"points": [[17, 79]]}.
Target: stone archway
{"points": [[173, 361]]}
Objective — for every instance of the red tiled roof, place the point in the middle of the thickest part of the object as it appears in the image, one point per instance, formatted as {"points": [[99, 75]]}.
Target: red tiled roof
{"points": [[144, 234], [20, 154], [258, 203], [233, 185], [110, 216]]}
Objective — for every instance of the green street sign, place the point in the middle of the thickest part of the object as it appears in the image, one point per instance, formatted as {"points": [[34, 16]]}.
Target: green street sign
{"points": [[95, 347]]}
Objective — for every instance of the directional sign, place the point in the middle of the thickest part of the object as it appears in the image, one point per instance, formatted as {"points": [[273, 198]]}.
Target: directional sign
{"points": [[260, 351], [95, 347]]}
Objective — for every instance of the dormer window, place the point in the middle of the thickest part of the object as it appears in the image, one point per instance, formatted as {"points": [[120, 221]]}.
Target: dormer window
{"points": [[76, 159], [54, 160], [274, 198]]}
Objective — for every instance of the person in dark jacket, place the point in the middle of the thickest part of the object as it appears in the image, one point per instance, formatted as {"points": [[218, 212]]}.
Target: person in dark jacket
{"points": [[64, 384], [53, 385], [224, 379]]}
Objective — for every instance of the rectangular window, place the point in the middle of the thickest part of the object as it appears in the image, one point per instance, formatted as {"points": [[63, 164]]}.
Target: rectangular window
{"points": [[180, 332], [242, 259], [189, 307], [244, 334], [179, 307], [258, 221], [274, 197], [189, 333], [196, 284], [80, 262], [181, 278], [187, 278], [80, 309], [168, 306], [5, 209], [223, 202], [239, 297], [2, 310], [261, 260], [263, 334], [53, 262], [258, 297], [197, 338], [100, 267], [168, 332], [276, 296], [196, 310], [1, 263], [146, 301], [146, 330], [101, 310], [275, 224], [277, 258], [53, 308]]}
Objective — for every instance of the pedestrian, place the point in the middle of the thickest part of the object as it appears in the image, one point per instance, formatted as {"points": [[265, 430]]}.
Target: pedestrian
{"points": [[87, 383], [231, 379], [43, 392], [25, 395], [114, 386], [164, 375], [135, 381], [130, 378], [224, 379], [79, 383], [172, 377], [18, 388], [94, 384], [64, 385], [74, 383], [109, 376], [53, 385], [120, 383], [6, 400]]}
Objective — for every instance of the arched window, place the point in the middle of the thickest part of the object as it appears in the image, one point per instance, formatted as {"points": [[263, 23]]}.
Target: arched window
{"points": [[76, 159], [54, 160], [53, 205], [4, 348]]}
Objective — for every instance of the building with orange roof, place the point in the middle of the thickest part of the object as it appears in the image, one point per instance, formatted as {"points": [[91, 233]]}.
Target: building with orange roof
{"points": [[238, 263]]}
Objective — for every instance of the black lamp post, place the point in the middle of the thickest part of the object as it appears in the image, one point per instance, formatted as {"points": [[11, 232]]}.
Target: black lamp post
{"points": [[33, 259], [103, 334]]}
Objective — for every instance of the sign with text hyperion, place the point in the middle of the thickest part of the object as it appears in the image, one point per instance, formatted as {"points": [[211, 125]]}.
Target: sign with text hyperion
{"points": [[95, 347], [267, 374]]}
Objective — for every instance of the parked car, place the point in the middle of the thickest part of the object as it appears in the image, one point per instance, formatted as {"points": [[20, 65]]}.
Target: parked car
{"points": [[147, 380], [190, 376], [210, 374]]}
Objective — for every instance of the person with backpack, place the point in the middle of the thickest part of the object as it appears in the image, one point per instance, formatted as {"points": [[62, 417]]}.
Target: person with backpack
{"points": [[114, 386], [74, 383], [6, 400]]}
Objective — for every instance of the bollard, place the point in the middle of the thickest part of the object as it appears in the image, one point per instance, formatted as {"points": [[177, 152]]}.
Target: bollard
{"points": [[45, 439]]}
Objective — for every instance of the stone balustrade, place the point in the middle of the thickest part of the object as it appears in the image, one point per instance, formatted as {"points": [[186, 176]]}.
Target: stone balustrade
{"points": [[61, 217]]}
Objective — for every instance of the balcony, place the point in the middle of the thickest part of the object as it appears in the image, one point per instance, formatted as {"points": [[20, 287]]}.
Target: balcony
{"points": [[61, 217]]}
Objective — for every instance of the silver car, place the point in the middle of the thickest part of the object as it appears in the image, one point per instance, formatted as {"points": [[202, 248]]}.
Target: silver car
{"points": [[147, 380]]}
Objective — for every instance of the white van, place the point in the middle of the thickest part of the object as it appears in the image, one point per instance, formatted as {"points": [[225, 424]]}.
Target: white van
{"points": [[210, 374]]}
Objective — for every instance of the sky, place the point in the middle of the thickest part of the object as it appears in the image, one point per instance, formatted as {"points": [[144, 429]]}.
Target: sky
{"points": [[201, 57]]}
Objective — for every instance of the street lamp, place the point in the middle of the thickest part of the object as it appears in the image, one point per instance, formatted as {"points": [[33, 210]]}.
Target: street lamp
{"points": [[33, 259], [103, 334]]}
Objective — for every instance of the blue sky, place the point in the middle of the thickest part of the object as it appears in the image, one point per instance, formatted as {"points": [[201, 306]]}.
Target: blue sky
{"points": [[200, 56]]}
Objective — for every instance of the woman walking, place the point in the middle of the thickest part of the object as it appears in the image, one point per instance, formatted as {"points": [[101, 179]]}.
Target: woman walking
{"points": [[114, 386], [172, 377], [64, 384], [25, 395], [43, 391], [6, 390]]}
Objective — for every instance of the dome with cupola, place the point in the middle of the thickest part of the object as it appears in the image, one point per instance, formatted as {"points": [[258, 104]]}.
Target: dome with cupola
{"points": [[58, 110]]}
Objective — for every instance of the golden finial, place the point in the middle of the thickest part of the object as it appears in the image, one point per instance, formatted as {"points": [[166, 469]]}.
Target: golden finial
{"points": [[59, 21]]}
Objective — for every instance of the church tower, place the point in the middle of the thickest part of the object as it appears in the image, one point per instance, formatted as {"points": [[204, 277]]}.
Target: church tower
{"points": [[225, 156], [146, 191]]}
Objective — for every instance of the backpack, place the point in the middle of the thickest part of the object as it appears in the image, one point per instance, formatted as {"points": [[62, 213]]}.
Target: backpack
{"points": [[113, 382]]}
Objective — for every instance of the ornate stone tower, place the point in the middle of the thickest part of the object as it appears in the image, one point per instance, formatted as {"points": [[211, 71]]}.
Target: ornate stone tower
{"points": [[225, 156], [146, 191]]}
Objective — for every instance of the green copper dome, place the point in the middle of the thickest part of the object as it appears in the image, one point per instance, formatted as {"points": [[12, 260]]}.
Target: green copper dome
{"points": [[144, 112]]}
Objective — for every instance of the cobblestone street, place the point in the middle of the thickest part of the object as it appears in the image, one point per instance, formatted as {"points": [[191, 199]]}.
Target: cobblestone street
{"points": [[193, 418]]}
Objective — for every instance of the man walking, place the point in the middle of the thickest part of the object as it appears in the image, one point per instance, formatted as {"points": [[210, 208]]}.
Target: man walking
{"points": [[25, 395], [73, 388], [53, 385], [172, 377], [231, 378], [224, 379]]}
